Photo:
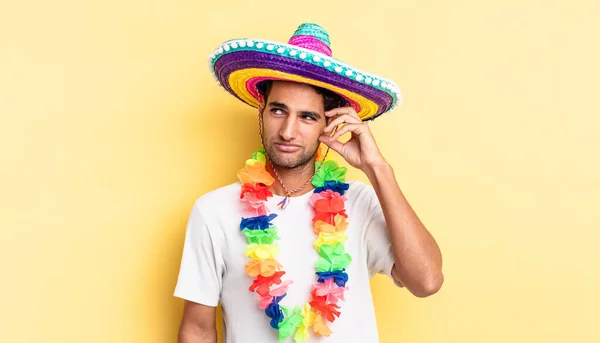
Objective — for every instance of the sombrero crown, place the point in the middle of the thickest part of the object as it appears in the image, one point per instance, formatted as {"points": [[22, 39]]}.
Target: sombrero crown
{"points": [[240, 64]]}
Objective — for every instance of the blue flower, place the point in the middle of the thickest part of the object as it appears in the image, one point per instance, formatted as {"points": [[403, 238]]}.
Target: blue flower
{"points": [[257, 223], [274, 312], [335, 186], [340, 277]]}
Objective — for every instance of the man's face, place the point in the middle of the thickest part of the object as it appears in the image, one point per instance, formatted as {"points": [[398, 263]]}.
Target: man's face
{"points": [[293, 120]]}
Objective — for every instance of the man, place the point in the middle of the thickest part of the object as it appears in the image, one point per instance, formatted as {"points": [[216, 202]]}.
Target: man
{"points": [[289, 250]]}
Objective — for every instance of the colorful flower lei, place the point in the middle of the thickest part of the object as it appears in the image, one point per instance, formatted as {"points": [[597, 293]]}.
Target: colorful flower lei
{"points": [[329, 223]]}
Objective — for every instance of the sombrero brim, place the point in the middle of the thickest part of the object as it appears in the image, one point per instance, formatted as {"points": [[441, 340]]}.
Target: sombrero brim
{"points": [[238, 65]]}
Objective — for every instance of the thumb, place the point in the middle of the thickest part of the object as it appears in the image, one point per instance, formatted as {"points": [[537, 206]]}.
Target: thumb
{"points": [[334, 144]]}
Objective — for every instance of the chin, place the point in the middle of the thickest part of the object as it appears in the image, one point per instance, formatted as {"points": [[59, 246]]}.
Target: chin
{"points": [[288, 162]]}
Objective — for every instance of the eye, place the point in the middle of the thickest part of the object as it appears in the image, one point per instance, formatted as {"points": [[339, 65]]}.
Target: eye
{"points": [[309, 117], [277, 111]]}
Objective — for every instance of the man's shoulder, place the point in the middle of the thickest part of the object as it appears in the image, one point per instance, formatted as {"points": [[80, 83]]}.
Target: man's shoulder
{"points": [[219, 197], [360, 193], [359, 188]]}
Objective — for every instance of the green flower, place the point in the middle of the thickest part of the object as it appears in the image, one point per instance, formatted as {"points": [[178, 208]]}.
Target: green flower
{"points": [[263, 237], [329, 171], [332, 258], [260, 156], [291, 321]]}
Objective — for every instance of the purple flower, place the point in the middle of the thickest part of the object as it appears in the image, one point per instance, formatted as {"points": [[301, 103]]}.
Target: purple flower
{"points": [[257, 223], [335, 186], [340, 277], [274, 312]]}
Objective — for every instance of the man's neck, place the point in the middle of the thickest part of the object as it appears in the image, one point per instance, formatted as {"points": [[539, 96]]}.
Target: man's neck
{"points": [[292, 178]]}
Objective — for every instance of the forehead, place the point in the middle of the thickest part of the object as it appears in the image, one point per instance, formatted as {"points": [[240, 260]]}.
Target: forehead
{"points": [[296, 95]]}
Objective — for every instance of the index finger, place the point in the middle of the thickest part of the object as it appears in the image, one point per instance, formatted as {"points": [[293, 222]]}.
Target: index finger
{"points": [[342, 110]]}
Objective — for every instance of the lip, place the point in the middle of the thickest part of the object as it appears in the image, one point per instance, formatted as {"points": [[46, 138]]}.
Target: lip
{"points": [[287, 147]]}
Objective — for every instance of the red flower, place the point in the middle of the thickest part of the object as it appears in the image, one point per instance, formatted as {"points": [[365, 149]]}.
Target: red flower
{"points": [[259, 190], [328, 194], [326, 209], [262, 284], [320, 305]]}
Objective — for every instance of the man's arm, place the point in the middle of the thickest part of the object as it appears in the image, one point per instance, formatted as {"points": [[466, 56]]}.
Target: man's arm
{"points": [[418, 258], [198, 324]]}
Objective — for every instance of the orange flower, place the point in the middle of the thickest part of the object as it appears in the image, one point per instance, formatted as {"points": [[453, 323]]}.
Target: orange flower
{"points": [[265, 268], [340, 225], [255, 172], [320, 326], [320, 154]]}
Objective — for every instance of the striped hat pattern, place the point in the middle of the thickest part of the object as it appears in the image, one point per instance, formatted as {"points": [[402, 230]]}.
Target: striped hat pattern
{"points": [[239, 65]]}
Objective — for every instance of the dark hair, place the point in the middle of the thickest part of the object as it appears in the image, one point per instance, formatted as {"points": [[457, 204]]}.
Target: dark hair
{"points": [[331, 99]]}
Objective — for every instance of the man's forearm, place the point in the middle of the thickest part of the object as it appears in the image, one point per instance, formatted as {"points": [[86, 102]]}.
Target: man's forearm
{"points": [[197, 335], [418, 258]]}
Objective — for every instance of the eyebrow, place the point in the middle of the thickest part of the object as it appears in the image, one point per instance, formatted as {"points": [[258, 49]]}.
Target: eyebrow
{"points": [[285, 107], [278, 104]]}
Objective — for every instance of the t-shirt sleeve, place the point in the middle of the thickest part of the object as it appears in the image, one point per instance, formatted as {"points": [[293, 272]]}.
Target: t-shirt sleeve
{"points": [[380, 258], [201, 270]]}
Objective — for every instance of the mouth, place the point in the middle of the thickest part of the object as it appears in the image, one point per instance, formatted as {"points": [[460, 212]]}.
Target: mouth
{"points": [[287, 147]]}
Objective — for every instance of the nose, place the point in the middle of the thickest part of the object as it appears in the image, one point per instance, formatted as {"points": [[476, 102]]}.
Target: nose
{"points": [[288, 129]]}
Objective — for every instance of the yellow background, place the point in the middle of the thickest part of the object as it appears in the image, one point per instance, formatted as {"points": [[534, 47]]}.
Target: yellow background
{"points": [[111, 126]]}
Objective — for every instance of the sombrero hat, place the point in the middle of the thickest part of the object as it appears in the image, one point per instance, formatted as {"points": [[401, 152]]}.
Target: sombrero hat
{"points": [[239, 65]]}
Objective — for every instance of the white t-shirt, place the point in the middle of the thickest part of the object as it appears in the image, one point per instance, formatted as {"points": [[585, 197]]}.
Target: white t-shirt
{"points": [[212, 266]]}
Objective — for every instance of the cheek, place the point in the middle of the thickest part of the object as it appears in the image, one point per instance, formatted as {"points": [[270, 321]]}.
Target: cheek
{"points": [[268, 128], [311, 133]]}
